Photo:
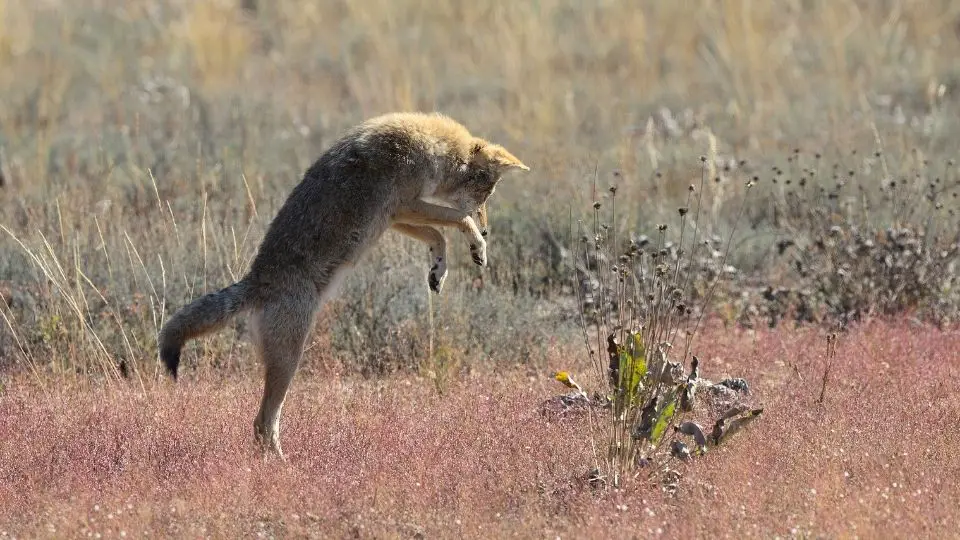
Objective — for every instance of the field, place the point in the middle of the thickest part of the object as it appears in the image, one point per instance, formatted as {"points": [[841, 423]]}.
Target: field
{"points": [[791, 164]]}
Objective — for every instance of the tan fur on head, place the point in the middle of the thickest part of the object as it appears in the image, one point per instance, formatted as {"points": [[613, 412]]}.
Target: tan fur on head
{"points": [[492, 154], [497, 155]]}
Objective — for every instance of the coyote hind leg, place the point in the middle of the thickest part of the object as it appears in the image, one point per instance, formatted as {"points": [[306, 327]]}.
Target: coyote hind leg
{"points": [[280, 332], [438, 251]]}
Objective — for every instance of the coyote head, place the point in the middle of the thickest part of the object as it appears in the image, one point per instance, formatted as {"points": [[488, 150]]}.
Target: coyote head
{"points": [[487, 164]]}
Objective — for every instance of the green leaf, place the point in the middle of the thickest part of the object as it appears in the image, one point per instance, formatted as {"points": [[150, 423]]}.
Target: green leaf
{"points": [[639, 356], [633, 367], [661, 426]]}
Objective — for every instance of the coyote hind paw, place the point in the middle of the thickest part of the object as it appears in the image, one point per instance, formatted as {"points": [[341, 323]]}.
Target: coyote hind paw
{"points": [[436, 277]]}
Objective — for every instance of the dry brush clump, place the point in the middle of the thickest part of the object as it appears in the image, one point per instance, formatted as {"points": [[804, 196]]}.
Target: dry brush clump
{"points": [[641, 303], [865, 236]]}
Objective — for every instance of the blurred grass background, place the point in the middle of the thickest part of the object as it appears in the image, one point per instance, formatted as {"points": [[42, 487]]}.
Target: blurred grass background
{"points": [[145, 145]]}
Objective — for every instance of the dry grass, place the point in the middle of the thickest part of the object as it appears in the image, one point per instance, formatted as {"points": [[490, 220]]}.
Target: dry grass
{"points": [[392, 459], [145, 145]]}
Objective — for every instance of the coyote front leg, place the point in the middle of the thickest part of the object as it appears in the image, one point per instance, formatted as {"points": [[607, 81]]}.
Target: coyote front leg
{"points": [[438, 251], [423, 213]]}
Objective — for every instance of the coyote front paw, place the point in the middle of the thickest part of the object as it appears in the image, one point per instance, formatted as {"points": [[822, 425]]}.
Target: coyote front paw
{"points": [[479, 253], [438, 273]]}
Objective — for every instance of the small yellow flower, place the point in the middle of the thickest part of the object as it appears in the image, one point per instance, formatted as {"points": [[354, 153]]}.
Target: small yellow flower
{"points": [[565, 378]]}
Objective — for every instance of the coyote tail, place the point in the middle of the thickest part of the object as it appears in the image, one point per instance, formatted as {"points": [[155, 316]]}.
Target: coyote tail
{"points": [[205, 314]]}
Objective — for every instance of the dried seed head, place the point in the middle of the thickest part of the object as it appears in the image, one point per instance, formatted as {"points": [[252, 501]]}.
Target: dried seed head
{"points": [[596, 205], [683, 210]]}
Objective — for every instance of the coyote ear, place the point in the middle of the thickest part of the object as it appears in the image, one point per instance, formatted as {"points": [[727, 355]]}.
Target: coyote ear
{"points": [[496, 155], [507, 160]]}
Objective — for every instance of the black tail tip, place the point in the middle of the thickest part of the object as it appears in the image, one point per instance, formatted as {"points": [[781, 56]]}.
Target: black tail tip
{"points": [[171, 359]]}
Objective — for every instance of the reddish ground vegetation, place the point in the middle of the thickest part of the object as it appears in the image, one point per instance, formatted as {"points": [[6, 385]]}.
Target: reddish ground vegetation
{"points": [[392, 458]]}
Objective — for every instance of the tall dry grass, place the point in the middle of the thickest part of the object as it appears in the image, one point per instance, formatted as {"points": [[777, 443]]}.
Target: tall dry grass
{"points": [[146, 145]]}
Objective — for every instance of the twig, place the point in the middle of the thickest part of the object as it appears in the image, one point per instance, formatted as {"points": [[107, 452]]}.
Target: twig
{"points": [[831, 354]]}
